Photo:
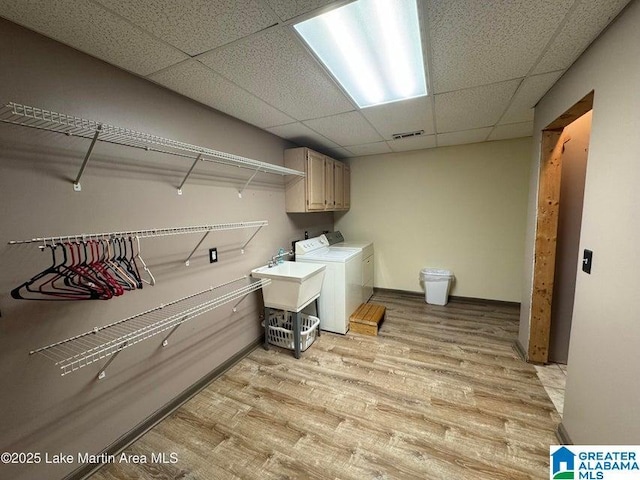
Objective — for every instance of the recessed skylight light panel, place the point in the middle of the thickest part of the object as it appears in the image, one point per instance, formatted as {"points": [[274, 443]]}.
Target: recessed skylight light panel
{"points": [[372, 48]]}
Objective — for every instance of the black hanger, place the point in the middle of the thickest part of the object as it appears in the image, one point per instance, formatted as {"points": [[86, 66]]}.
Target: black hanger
{"points": [[46, 284]]}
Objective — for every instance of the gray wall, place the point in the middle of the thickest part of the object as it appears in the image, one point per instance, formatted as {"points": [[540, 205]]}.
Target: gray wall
{"points": [[603, 387], [122, 189]]}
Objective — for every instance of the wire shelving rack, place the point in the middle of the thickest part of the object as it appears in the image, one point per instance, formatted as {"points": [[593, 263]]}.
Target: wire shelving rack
{"points": [[153, 232], [109, 340], [42, 119]]}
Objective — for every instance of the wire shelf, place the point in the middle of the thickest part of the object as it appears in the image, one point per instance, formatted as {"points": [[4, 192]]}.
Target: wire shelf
{"points": [[77, 352], [152, 232], [41, 119]]}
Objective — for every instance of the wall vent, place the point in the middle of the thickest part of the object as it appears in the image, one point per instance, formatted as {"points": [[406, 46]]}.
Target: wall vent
{"points": [[399, 136]]}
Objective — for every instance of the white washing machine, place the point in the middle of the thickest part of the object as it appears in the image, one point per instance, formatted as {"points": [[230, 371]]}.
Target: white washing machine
{"points": [[336, 239], [341, 292]]}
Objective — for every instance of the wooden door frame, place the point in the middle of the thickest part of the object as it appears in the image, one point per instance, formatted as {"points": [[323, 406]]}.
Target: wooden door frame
{"points": [[553, 140]]}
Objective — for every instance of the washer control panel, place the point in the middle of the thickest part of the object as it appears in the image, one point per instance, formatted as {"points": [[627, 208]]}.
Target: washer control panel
{"points": [[333, 237], [310, 245]]}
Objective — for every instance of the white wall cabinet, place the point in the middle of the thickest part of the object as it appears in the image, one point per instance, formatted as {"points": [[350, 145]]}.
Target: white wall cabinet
{"points": [[325, 187]]}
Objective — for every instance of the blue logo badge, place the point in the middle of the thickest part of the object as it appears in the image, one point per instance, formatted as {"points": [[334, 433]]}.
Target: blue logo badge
{"points": [[562, 466]]}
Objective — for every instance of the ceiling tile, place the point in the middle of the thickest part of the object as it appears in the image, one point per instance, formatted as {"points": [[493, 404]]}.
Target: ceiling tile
{"points": [[196, 81], [481, 42], [529, 92], [398, 117], [412, 143], [345, 129], [369, 149], [90, 28], [288, 9], [513, 130], [195, 26], [275, 67], [473, 107], [338, 152], [583, 25], [466, 136], [303, 136]]}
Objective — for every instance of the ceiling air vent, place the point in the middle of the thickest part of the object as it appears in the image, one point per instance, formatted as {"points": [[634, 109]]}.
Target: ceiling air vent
{"points": [[399, 136]]}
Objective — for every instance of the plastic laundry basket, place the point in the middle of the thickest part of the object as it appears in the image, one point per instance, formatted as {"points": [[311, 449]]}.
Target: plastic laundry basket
{"points": [[437, 284], [280, 330]]}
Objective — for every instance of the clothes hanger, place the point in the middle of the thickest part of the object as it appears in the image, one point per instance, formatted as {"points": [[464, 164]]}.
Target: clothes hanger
{"points": [[43, 287], [115, 259], [88, 269], [152, 280], [131, 268], [132, 261], [85, 275], [96, 264], [125, 281], [64, 283]]}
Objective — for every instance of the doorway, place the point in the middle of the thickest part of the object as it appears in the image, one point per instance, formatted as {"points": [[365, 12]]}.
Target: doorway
{"points": [[556, 245], [574, 170]]}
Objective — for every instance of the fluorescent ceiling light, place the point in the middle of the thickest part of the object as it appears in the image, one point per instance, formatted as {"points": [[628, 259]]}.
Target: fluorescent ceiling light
{"points": [[372, 48]]}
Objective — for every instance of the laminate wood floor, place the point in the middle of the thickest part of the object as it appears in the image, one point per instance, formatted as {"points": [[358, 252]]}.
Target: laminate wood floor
{"points": [[439, 394]]}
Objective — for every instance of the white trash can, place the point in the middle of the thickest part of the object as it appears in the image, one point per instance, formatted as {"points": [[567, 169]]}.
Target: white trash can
{"points": [[437, 284]]}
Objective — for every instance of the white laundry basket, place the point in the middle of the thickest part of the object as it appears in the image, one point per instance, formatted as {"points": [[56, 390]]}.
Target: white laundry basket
{"points": [[280, 331], [437, 284]]}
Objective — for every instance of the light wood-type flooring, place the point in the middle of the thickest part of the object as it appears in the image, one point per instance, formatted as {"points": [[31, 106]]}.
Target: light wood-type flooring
{"points": [[439, 394]]}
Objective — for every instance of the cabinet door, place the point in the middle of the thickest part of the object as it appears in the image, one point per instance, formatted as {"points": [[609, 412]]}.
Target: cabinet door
{"points": [[346, 179], [338, 185], [315, 181], [328, 184]]}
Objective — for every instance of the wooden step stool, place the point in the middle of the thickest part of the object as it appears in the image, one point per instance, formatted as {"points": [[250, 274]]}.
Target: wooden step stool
{"points": [[367, 318]]}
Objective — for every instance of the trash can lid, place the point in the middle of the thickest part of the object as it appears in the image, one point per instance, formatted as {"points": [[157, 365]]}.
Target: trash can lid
{"points": [[436, 272]]}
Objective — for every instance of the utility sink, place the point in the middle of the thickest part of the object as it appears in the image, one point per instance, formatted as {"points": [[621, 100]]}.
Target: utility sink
{"points": [[293, 284]]}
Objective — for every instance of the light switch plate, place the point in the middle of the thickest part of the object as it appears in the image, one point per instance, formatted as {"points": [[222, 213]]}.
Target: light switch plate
{"points": [[587, 259], [213, 255]]}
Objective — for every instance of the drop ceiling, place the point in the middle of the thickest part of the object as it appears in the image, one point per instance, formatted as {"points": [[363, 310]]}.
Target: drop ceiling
{"points": [[487, 63]]}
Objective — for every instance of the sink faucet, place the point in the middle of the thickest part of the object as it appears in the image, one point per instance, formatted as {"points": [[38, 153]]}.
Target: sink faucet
{"points": [[279, 257]]}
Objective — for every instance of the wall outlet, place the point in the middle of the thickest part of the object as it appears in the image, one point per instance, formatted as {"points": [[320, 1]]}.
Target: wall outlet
{"points": [[213, 255]]}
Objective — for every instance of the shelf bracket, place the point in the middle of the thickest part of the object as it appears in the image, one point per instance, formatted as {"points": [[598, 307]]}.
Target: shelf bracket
{"points": [[103, 372], [198, 158], [235, 307], [76, 184], [165, 341], [248, 182], [250, 238], [186, 262]]}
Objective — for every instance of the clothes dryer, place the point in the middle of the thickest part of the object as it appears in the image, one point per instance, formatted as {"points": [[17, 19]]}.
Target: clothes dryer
{"points": [[341, 292], [336, 239]]}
